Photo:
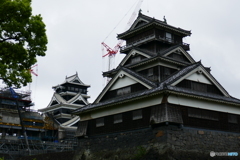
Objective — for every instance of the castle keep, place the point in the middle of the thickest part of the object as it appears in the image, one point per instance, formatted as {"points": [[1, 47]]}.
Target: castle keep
{"points": [[160, 102]]}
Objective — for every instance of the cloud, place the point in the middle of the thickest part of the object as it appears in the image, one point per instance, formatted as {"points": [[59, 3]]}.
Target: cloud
{"points": [[75, 30]]}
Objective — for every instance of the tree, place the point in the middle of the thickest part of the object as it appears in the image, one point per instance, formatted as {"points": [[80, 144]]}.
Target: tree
{"points": [[22, 39]]}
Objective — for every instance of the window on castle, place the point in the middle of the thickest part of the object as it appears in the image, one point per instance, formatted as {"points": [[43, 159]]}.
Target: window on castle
{"points": [[199, 86], [232, 118], [118, 118], [169, 37], [99, 122], [150, 72], [123, 91], [167, 72], [203, 114], [84, 91], [178, 56], [137, 114], [135, 59]]}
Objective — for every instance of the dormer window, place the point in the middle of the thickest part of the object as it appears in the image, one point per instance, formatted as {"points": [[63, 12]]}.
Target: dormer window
{"points": [[169, 37], [135, 59], [124, 91]]}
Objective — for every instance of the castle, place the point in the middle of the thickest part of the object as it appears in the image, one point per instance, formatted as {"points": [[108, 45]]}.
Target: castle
{"points": [[159, 102]]}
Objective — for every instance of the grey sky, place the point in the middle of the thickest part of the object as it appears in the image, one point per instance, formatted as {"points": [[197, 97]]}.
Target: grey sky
{"points": [[76, 28]]}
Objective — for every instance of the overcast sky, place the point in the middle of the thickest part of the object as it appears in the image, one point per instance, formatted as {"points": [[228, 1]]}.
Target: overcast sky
{"points": [[76, 28]]}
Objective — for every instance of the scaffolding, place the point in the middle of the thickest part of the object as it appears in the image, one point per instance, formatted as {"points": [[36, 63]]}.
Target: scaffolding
{"points": [[40, 132], [23, 95]]}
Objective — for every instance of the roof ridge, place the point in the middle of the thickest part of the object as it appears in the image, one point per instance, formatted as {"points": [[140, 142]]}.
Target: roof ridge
{"points": [[208, 95], [180, 73], [138, 76], [72, 76]]}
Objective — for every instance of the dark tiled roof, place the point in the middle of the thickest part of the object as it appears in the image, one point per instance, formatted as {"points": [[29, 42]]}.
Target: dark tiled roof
{"points": [[111, 72], [157, 22], [140, 77], [180, 74], [134, 74], [118, 100], [163, 52], [146, 60], [164, 23], [211, 96], [141, 50], [157, 57], [164, 86]]}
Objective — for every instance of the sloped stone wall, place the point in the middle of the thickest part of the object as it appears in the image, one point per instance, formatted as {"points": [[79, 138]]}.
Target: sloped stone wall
{"points": [[162, 142]]}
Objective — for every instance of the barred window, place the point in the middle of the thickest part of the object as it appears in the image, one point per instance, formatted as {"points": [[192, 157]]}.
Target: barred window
{"points": [[99, 122], [137, 114], [232, 118], [135, 59], [169, 37], [123, 91], [199, 86], [203, 114], [118, 118]]}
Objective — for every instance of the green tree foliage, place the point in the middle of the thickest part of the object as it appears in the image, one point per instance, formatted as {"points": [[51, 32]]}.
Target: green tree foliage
{"points": [[22, 39]]}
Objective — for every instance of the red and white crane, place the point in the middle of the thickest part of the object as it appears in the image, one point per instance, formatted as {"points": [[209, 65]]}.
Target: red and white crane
{"points": [[34, 70], [112, 52]]}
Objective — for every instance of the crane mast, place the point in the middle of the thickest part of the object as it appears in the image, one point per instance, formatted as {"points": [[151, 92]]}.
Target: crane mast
{"points": [[112, 52]]}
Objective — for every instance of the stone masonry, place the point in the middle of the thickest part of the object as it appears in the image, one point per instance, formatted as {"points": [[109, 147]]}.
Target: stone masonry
{"points": [[163, 142]]}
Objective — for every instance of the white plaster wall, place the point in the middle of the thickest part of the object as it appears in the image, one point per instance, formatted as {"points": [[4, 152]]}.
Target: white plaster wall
{"points": [[199, 78], [125, 107], [203, 104], [122, 82]]}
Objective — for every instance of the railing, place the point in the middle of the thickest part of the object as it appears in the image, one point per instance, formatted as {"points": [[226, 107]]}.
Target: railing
{"points": [[150, 37], [135, 43]]}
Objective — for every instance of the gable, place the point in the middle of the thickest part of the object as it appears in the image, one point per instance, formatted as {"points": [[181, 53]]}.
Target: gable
{"points": [[76, 81], [53, 101], [132, 57], [123, 91], [122, 80], [78, 99], [79, 102], [125, 81], [179, 54], [138, 23], [201, 80]]}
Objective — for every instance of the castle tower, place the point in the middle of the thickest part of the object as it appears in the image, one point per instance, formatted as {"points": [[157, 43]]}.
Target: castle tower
{"points": [[68, 96], [157, 88]]}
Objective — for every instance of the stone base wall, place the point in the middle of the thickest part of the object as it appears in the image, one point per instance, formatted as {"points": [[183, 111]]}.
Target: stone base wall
{"points": [[162, 142]]}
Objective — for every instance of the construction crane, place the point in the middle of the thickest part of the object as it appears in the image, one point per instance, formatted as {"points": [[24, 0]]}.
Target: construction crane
{"points": [[32, 70], [112, 52]]}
